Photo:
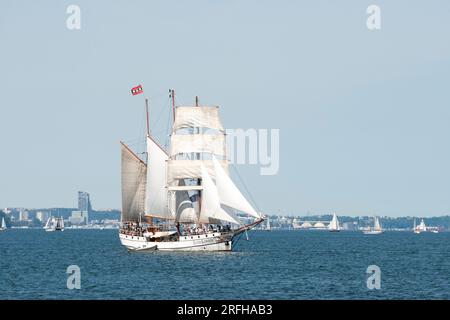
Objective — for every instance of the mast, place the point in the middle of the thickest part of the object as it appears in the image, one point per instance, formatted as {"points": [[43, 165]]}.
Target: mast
{"points": [[199, 181], [149, 219], [172, 95], [147, 116]]}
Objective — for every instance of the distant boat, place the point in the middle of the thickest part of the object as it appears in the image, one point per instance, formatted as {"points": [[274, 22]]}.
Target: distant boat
{"points": [[376, 228], [3, 226], [54, 224], [420, 228], [334, 224]]}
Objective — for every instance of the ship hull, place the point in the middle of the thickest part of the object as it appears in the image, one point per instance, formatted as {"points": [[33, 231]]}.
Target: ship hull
{"points": [[205, 242]]}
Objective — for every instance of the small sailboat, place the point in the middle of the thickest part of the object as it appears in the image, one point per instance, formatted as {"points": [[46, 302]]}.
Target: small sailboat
{"points": [[334, 224], [376, 228], [420, 228], [3, 226], [54, 224]]}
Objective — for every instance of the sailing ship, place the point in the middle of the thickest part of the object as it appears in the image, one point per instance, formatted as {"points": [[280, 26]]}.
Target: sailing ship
{"points": [[54, 224], [334, 224], [3, 226], [420, 228], [376, 227], [183, 198]]}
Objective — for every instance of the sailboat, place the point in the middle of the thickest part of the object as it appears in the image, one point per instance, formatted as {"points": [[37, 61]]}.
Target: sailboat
{"points": [[334, 224], [184, 194], [3, 226], [54, 224], [421, 227], [376, 227]]}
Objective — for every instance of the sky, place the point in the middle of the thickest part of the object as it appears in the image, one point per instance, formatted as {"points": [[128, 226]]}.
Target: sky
{"points": [[363, 114]]}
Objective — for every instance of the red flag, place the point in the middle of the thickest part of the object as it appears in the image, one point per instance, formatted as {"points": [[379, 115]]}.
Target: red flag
{"points": [[137, 90]]}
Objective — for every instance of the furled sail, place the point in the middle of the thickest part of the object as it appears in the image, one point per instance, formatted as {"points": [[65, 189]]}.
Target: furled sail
{"points": [[198, 143], [197, 117], [156, 203], [210, 207], [191, 169], [229, 194], [134, 173]]}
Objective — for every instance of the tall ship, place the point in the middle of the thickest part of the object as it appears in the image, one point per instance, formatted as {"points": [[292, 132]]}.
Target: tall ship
{"points": [[182, 197], [376, 227], [334, 224], [54, 224]]}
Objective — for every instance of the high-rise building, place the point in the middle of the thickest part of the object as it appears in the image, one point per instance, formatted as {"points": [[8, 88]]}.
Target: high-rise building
{"points": [[84, 203]]}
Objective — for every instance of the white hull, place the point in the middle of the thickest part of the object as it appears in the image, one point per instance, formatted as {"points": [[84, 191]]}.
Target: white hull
{"points": [[2, 229], [204, 242], [52, 229]]}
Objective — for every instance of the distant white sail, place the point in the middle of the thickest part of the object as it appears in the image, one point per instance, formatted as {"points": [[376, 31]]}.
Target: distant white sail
{"points": [[134, 177], [197, 117], [377, 226], [156, 198], [47, 224], [3, 223], [210, 205], [229, 194], [334, 224]]}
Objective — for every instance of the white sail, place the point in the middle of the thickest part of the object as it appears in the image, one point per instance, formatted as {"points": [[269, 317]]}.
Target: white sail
{"points": [[229, 194], [3, 223], [47, 224], [197, 117], [191, 169], [134, 173], [198, 143], [334, 224], [184, 207], [156, 204], [210, 205], [377, 226]]}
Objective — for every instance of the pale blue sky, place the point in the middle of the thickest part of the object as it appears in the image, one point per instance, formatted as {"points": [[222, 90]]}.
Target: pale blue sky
{"points": [[364, 116]]}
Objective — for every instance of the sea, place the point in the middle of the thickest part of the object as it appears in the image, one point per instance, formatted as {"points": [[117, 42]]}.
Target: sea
{"points": [[270, 265]]}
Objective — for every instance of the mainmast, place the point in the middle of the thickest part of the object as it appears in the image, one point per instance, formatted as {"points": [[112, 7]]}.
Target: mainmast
{"points": [[199, 181]]}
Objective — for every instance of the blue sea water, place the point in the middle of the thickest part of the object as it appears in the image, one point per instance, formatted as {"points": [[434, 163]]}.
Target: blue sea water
{"points": [[272, 265]]}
